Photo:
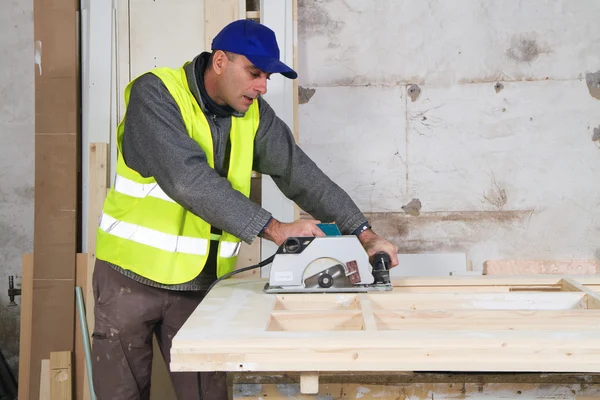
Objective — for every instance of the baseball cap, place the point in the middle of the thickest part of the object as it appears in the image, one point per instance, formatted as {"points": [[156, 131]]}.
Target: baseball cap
{"points": [[254, 41]]}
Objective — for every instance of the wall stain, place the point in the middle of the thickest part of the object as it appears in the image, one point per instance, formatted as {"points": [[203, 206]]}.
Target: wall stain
{"points": [[315, 20], [524, 48], [305, 94], [454, 230], [413, 207], [496, 196], [593, 83], [596, 136]]}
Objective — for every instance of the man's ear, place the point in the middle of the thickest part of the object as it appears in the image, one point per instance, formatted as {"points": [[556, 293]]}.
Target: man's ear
{"points": [[219, 61]]}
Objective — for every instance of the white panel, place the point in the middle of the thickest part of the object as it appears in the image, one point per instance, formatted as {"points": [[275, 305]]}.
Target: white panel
{"points": [[357, 42], [165, 33], [432, 264], [97, 89], [356, 135], [532, 141], [277, 15]]}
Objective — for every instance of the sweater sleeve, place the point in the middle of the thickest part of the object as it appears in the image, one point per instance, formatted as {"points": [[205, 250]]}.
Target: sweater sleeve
{"points": [[298, 177]]}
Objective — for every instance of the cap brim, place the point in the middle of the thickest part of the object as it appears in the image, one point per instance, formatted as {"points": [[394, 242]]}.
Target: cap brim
{"points": [[273, 66]]}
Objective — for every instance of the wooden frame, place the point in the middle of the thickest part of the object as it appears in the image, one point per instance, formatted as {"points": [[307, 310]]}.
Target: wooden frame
{"points": [[467, 324]]}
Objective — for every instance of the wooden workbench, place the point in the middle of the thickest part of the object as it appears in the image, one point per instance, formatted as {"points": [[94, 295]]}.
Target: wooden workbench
{"points": [[541, 324]]}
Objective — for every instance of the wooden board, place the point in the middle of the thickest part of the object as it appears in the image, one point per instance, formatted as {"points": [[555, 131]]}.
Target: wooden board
{"points": [[466, 324], [532, 267]]}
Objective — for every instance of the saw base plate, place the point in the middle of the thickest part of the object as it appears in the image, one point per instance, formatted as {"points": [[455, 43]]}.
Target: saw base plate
{"points": [[353, 289]]}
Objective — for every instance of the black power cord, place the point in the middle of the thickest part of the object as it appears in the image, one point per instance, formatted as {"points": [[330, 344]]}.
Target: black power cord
{"points": [[237, 271]]}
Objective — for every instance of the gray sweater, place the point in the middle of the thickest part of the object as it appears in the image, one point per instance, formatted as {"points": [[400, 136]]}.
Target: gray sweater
{"points": [[155, 143]]}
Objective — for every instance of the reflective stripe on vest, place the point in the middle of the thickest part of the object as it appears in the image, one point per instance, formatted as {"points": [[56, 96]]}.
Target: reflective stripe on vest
{"points": [[139, 190], [164, 241], [153, 238]]}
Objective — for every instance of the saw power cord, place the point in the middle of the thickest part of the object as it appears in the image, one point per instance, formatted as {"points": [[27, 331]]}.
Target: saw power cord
{"points": [[237, 271]]}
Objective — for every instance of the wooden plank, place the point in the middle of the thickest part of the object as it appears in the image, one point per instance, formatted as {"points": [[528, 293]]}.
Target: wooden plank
{"points": [[45, 380], [576, 320], [217, 14], [478, 331], [488, 283], [435, 301], [300, 321], [54, 310], [151, 40], [60, 375], [368, 317], [57, 133], [592, 298], [25, 325], [420, 391], [535, 267], [79, 372], [98, 185], [309, 383]]}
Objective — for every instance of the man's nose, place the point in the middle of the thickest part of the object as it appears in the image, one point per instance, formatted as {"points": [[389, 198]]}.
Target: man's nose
{"points": [[261, 86]]}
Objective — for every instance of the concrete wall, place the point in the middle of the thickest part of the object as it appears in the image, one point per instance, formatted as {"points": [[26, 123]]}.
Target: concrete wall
{"points": [[486, 112], [16, 160]]}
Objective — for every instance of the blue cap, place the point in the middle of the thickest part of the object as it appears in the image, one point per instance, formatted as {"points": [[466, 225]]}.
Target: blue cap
{"points": [[254, 41]]}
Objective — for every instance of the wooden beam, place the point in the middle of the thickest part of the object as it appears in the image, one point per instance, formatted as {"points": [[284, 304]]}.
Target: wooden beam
{"points": [[366, 308], [355, 389], [592, 298], [217, 14], [537, 267], [45, 380], [80, 383], [98, 186], [309, 383], [61, 375]]}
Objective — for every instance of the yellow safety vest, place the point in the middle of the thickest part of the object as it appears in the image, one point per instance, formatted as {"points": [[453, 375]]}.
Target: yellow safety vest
{"points": [[144, 230]]}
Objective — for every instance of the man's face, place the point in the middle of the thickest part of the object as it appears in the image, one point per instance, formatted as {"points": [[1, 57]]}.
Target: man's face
{"points": [[240, 82]]}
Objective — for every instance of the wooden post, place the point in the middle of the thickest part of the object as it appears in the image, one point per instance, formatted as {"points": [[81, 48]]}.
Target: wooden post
{"points": [[61, 384]]}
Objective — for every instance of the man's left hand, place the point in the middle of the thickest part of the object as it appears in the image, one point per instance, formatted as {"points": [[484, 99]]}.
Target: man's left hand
{"points": [[374, 243]]}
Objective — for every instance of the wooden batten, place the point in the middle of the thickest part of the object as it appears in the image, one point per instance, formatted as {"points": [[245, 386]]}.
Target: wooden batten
{"points": [[61, 374], [538, 267], [79, 376]]}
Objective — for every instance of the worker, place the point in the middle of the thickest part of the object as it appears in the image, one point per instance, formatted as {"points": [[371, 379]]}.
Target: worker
{"points": [[180, 208]]}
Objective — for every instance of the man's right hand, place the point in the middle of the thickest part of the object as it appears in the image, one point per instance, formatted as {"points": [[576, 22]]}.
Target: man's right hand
{"points": [[278, 232]]}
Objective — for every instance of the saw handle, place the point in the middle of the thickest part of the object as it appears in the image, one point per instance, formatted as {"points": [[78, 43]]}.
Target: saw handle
{"points": [[381, 266]]}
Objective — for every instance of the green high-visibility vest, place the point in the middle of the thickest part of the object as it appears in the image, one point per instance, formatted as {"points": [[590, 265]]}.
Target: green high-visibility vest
{"points": [[143, 230]]}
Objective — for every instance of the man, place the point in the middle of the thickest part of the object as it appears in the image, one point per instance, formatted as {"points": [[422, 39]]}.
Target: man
{"points": [[173, 222]]}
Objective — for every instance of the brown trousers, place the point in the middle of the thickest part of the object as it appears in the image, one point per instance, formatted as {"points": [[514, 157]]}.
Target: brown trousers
{"points": [[127, 313]]}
